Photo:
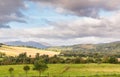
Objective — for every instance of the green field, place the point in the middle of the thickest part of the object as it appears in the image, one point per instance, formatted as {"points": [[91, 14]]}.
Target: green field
{"points": [[64, 70]]}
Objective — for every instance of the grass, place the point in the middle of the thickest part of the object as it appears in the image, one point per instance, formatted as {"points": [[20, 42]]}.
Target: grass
{"points": [[14, 50], [73, 70]]}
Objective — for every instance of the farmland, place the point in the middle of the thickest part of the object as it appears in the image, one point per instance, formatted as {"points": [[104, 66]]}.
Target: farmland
{"points": [[84, 64], [14, 51], [72, 70]]}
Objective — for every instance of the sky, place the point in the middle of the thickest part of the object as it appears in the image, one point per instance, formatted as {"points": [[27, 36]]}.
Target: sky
{"points": [[60, 22]]}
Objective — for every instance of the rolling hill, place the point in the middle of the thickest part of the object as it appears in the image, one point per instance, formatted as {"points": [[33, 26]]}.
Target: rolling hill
{"points": [[28, 44], [103, 47], [14, 50]]}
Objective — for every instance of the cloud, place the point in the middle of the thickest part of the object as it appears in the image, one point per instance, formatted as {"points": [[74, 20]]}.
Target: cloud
{"points": [[80, 30], [10, 11], [4, 26], [105, 27], [86, 29], [89, 8]]}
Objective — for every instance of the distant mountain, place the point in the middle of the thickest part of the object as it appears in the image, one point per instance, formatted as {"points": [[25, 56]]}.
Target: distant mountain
{"points": [[28, 44], [103, 47]]}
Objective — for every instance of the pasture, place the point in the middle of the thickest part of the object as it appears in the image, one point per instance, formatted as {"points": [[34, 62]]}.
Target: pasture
{"points": [[66, 70]]}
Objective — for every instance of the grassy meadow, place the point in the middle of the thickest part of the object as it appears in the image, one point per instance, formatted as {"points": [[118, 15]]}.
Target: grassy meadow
{"points": [[64, 70]]}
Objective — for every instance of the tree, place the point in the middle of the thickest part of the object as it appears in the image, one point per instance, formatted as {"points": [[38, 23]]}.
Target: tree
{"points": [[113, 60], [105, 59], [11, 71], [37, 56], [40, 66], [21, 58], [26, 69]]}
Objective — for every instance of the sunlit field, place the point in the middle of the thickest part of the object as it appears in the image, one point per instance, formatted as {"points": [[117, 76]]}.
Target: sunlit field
{"points": [[14, 51], [66, 70]]}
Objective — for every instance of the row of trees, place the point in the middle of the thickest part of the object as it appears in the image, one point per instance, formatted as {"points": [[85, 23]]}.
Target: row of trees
{"points": [[39, 66], [89, 53], [24, 59]]}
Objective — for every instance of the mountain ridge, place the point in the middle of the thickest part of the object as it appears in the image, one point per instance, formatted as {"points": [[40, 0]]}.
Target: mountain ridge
{"points": [[27, 44], [102, 47]]}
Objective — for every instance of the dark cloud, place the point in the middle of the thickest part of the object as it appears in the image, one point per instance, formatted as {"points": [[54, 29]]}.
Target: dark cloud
{"points": [[10, 11], [4, 26], [89, 8]]}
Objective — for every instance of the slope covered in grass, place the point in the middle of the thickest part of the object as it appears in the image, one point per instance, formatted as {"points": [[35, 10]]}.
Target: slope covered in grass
{"points": [[74, 70], [104, 47], [13, 51]]}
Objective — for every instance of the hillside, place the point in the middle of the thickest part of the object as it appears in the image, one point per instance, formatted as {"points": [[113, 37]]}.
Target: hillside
{"points": [[14, 50], [27, 44], [104, 47]]}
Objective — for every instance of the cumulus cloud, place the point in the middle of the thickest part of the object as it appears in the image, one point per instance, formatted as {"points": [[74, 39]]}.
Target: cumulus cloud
{"points": [[89, 8], [87, 29], [79, 30], [10, 12], [105, 27]]}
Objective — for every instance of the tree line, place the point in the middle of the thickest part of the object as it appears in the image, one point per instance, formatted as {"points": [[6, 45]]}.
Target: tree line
{"points": [[63, 59]]}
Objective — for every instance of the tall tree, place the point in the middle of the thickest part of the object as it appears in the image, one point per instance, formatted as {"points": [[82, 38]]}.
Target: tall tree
{"points": [[40, 66], [11, 71], [26, 69]]}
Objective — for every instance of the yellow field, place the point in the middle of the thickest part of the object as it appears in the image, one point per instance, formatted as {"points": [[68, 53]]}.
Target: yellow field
{"points": [[13, 51]]}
